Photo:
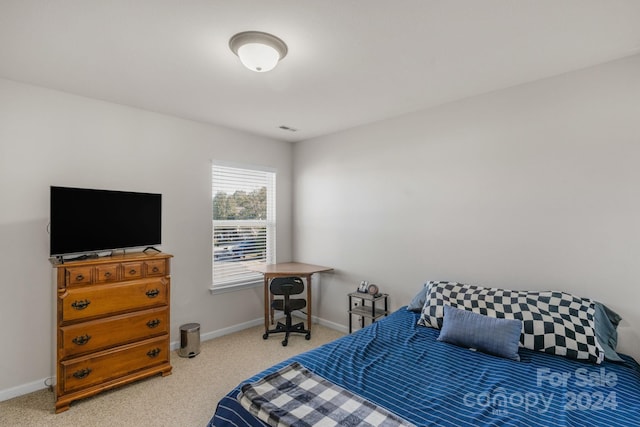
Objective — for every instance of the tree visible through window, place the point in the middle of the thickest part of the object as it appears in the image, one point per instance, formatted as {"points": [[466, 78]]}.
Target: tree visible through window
{"points": [[243, 223]]}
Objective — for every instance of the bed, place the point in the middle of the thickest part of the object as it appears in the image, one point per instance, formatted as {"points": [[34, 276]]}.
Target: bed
{"points": [[402, 367]]}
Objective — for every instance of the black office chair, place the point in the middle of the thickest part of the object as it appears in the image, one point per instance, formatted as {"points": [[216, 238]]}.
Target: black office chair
{"points": [[287, 286]]}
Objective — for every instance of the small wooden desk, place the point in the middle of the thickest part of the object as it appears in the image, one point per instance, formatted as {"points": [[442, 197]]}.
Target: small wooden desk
{"points": [[285, 270]]}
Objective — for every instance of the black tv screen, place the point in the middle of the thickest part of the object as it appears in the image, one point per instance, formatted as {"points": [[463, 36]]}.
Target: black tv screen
{"points": [[87, 220]]}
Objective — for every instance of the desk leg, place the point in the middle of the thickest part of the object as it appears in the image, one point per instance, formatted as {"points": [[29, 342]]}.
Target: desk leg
{"points": [[272, 312], [266, 303], [309, 302]]}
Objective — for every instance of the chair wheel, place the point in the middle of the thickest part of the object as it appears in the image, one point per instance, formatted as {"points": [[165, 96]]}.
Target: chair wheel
{"points": [[308, 336], [265, 336], [284, 343]]}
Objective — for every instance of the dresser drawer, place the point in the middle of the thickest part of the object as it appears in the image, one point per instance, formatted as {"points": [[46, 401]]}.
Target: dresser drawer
{"points": [[78, 275], [114, 298], [131, 270], [156, 268], [106, 273], [112, 331], [101, 367]]}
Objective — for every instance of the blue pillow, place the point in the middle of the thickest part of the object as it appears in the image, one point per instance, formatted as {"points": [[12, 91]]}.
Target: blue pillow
{"points": [[499, 337], [417, 302], [606, 321]]}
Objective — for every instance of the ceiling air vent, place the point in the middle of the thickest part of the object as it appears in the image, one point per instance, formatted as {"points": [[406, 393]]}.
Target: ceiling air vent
{"points": [[283, 127]]}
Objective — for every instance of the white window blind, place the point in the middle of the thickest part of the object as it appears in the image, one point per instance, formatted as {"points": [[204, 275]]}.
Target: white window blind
{"points": [[244, 219]]}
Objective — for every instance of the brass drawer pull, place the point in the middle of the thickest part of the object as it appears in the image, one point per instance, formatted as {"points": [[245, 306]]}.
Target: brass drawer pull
{"points": [[153, 293], [155, 269], [79, 278], [80, 305], [82, 339], [132, 272], [82, 373], [107, 274], [153, 353], [153, 323]]}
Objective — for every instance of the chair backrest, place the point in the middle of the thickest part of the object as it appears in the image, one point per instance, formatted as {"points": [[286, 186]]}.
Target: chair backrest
{"points": [[286, 286]]}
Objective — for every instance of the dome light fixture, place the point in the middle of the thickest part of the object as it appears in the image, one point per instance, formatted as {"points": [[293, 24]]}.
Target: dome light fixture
{"points": [[258, 51]]}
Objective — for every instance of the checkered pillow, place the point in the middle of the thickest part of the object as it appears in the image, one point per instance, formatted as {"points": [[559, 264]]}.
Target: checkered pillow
{"points": [[552, 322]]}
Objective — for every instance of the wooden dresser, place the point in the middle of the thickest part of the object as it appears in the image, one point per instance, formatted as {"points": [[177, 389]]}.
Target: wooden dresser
{"points": [[112, 323]]}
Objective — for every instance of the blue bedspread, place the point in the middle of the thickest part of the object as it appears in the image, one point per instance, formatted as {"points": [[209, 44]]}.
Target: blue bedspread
{"points": [[401, 367]]}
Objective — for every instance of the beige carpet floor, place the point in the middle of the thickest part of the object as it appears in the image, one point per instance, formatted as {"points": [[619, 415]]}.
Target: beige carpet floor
{"points": [[187, 397]]}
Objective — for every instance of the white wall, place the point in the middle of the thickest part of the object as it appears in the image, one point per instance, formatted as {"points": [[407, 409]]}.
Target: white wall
{"points": [[51, 138], [534, 187]]}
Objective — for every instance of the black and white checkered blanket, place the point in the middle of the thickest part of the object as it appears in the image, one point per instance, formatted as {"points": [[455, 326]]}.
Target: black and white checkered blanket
{"points": [[294, 396]]}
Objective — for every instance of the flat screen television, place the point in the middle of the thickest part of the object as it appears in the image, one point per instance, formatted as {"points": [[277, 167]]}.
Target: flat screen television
{"points": [[87, 220]]}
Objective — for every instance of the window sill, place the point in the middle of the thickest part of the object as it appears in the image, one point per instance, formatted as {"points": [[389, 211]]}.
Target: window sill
{"points": [[223, 289]]}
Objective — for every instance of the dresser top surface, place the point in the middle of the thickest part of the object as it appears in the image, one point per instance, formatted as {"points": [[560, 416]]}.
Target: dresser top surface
{"points": [[133, 256]]}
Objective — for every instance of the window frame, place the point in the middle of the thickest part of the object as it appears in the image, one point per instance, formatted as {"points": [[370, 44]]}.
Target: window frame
{"points": [[250, 280]]}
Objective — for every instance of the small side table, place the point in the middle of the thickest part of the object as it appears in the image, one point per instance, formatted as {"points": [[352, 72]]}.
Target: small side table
{"points": [[363, 310]]}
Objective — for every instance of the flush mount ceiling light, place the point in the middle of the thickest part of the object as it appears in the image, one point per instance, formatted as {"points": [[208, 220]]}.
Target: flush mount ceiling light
{"points": [[258, 51]]}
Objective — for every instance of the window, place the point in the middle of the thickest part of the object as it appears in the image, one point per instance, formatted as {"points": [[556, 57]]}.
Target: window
{"points": [[244, 224]]}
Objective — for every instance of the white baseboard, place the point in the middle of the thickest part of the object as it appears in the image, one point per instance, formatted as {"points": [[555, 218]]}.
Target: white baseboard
{"points": [[331, 325], [12, 392], [40, 384], [175, 345]]}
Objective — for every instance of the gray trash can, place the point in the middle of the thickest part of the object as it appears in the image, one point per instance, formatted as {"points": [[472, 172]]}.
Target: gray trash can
{"points": [[189, 340]]}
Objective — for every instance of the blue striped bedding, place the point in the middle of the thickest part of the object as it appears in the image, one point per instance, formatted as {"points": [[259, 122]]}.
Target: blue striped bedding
{"points": [[402, 367]]}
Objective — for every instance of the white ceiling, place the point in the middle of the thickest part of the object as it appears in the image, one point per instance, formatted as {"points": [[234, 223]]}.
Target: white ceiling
{"points": [[350, 62]]}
